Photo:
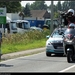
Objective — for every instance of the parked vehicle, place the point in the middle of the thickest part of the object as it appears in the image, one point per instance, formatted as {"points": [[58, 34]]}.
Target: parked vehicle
{"points": [[36, 28], [54, 43], [36, 23], [69, 44], [15, 26], [22, 25], [47, 23]]}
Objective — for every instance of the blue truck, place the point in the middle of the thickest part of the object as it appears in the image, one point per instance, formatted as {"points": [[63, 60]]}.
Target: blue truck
{"points": [[44, 24], [36, 23]]}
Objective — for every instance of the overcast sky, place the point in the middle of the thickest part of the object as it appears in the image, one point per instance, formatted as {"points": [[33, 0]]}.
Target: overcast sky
{"points": [[23, 3]]}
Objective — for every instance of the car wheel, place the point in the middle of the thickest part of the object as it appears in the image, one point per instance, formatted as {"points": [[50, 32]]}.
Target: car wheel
{"points": [[48, 54]]}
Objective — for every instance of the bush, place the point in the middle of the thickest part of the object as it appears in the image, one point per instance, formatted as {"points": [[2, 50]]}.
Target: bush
{"points": [[18, 42]]}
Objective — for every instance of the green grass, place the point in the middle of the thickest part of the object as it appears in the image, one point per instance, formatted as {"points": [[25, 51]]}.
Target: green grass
{"points": [[20, 42], [9, 48]]}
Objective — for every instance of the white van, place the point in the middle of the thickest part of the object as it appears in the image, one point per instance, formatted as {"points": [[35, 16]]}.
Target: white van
{"points": [[19, 26], [8, 27], [15, 26]]}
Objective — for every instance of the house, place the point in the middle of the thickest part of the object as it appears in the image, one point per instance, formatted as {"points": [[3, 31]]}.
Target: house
{"points": [[40, 14], [38, 17]]}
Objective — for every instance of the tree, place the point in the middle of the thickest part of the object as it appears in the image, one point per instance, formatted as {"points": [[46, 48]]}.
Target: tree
{"points": [[59, 6], [27, 10], [21, 14], [38, 5], [12, 6], [65, 6], [72, 4]]}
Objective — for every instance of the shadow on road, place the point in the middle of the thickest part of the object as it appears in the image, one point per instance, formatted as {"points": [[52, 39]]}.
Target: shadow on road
{"points": [[60, 55], [57, 55], [4, 65], [73, 61]]}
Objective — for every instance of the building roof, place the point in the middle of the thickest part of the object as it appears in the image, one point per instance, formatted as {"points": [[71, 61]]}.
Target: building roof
{"points": [[40, 13]]}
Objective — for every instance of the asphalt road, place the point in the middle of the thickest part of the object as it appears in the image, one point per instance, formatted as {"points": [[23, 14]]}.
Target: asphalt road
{"points": [[37, 63]]}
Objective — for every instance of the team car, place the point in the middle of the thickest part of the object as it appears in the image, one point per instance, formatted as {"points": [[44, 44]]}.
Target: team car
{"points": [[54, 43]]}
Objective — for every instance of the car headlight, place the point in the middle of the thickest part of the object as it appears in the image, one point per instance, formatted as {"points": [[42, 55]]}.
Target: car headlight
{"points": [[48, 43]]}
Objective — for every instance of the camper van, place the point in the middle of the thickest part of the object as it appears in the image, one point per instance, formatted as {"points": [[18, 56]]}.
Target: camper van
{"points": [[19, 26], [15, 26]]}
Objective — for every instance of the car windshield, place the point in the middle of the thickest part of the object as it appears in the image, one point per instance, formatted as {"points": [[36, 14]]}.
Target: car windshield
{"points": [[48, 22], [56, 35], [13, 25]]}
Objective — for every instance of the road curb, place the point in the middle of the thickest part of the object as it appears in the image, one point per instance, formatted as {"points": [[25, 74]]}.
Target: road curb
{"points": [[22, 53]]}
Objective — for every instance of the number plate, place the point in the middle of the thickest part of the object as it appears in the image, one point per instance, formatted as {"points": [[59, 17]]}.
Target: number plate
{"points": [[59, 47]]}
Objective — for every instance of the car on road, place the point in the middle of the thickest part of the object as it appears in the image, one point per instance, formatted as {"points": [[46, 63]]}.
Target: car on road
{"points": [[36, 28], [54, 43]]}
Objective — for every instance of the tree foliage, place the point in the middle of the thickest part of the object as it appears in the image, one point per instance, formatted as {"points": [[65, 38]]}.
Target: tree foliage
{"points": [[59, 5], [15, 6], [26, 10], [12, 6], [38, 5]]}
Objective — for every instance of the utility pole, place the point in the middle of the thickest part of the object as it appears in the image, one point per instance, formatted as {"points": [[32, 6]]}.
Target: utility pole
{"points": [[51, 26]]}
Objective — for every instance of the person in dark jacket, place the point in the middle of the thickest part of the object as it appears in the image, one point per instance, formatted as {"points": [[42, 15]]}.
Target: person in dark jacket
{"points": [[69, 17]]}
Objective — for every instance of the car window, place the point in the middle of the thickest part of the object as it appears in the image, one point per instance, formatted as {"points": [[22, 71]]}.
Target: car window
{"points": [[13, 25], [56, 34]]}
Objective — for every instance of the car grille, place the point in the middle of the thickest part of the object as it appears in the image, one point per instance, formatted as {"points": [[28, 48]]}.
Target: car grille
{"points": [[58, 51], [57, 45]]}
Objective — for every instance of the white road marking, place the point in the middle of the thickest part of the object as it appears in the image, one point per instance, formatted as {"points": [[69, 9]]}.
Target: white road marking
{"points": [[67, 68]]}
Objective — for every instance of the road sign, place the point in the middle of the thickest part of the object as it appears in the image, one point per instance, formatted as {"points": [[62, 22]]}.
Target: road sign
{"points": [[2, 15]]}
